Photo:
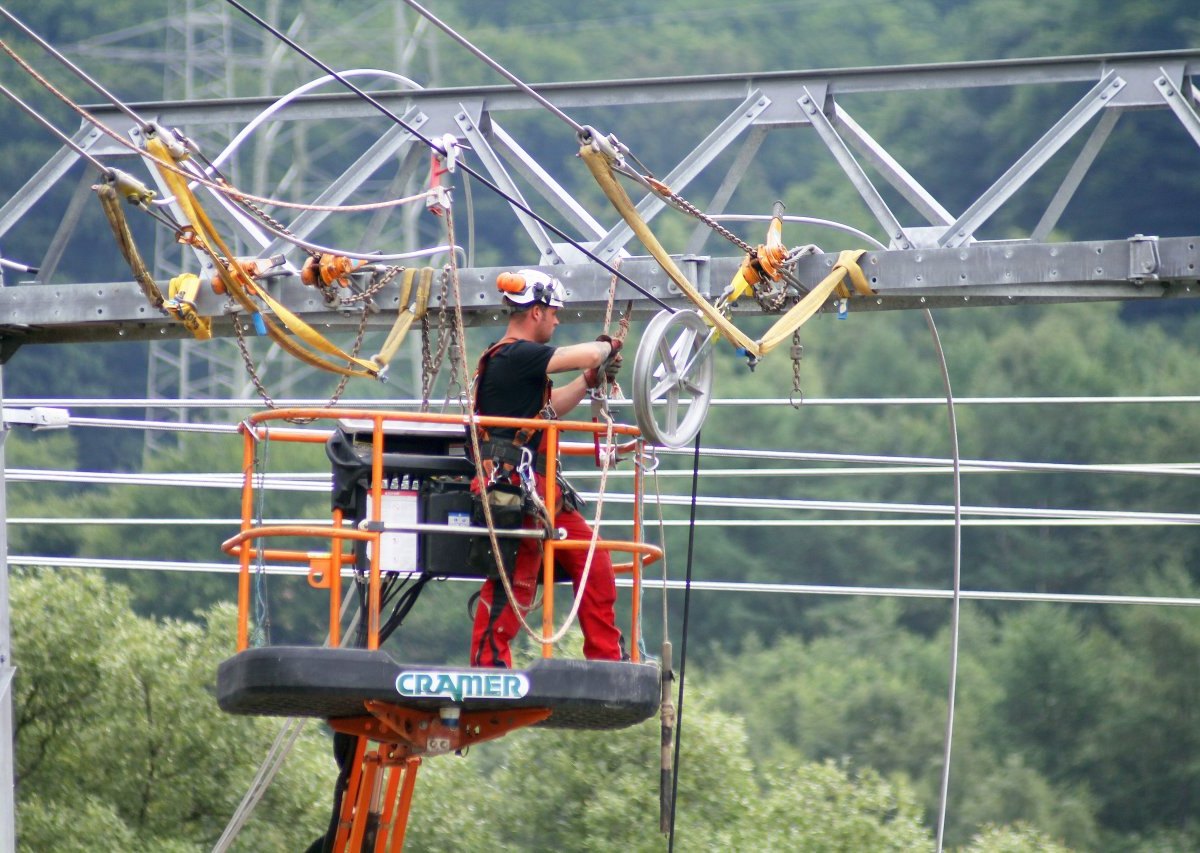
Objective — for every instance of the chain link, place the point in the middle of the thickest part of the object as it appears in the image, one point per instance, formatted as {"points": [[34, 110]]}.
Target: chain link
{"points": [[378, 283], [249, 362], [454, 386], [426, 363], [797, 353], [431, 364], [261, 388], [448, 347], [683, 205]]}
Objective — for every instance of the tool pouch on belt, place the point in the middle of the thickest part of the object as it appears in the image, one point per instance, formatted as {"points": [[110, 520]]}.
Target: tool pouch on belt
{"points": [[569, 499], [507, 503]]}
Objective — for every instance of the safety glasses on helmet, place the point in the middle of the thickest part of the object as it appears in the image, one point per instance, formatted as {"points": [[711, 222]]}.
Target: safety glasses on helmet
{"points": [[528, 287]]}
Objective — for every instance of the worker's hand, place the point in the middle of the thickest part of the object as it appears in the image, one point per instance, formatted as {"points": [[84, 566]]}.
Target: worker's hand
{"points": [[591, 377]]}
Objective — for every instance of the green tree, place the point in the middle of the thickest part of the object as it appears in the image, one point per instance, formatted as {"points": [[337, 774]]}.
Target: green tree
{"points": [[118, 735]]}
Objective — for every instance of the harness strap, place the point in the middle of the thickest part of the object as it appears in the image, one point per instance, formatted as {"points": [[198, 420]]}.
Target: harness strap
{"points": [[494, 450]]}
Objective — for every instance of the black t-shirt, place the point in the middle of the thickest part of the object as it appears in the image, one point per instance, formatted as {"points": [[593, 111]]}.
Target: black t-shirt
{"points": [[513, 383]]}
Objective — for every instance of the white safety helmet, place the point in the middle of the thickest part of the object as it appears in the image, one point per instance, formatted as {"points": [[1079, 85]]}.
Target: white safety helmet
{"points": [[525, 288]]}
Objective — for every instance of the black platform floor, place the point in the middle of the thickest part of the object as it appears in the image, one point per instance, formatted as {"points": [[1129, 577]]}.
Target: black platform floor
{"points": [[306, 681]]}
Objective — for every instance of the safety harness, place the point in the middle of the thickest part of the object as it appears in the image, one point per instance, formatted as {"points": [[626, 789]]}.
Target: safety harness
{"points": [[501, 456]]}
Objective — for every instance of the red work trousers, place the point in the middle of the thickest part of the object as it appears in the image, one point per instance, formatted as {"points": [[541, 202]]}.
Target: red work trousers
{"points": [[496, 622]]}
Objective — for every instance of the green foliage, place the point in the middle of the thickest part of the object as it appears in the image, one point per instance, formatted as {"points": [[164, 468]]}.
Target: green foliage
{"points": [[119, 737], [1020, 838], [596, 791]]}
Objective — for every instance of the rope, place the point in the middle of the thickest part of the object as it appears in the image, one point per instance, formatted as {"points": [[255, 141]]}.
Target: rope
{"points": [[481, 478], [687, 601], [79, 72], [473, 435], [66, 140], [262, 612]]}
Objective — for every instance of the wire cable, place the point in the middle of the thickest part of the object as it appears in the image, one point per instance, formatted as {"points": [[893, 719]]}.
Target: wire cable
{"points": [[956, 600], [79, 72], [496, 66], [517, 203], [66, 140], [215, 186]]}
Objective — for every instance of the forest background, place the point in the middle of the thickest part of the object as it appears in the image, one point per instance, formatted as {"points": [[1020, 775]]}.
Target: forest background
{"points": [[812, 722]]}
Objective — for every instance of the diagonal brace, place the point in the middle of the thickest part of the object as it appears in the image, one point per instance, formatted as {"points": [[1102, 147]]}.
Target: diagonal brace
{"points": [[963, 230]]}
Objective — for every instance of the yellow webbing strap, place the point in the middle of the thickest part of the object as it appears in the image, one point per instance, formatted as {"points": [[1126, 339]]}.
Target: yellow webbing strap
{"points": [[110, 203], [798, 314], [601, 168], [242, 287], [407, 314], [424, 284]]}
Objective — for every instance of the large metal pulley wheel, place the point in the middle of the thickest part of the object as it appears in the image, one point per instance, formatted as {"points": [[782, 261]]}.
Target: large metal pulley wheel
{"points": [[672, 378]]}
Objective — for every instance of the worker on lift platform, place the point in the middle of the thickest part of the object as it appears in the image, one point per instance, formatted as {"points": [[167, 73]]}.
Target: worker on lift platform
{"points": [[513, 380]]}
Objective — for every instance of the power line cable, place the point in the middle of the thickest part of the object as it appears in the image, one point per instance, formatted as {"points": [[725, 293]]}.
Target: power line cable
{"points": [[496, 66], [79, 72], [66, 140], [687, 602], [744, 587]]}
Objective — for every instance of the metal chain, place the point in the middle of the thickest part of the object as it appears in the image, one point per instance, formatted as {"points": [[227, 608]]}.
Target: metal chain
{"points": [[431, 364], [262, 389], [378, 283], [771, 298], [427, 371], [797, 353], [249, 362], [452, 349], [426, 363], [685, 206], [266, 217]]}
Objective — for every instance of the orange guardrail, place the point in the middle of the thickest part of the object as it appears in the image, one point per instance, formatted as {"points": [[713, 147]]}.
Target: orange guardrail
{"points": [[326, 566]]}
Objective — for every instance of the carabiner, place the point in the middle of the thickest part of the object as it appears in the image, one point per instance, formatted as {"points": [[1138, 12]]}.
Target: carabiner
{"points": [[525, 471]]}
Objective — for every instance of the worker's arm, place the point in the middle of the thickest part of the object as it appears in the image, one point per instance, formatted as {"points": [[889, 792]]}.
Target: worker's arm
{"points": [[575, 357], [579, 356], [567, 397]]}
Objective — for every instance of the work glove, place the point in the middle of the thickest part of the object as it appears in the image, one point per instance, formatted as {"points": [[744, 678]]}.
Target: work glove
{"points": [[615, 343], [612, 367], [608, 370]]}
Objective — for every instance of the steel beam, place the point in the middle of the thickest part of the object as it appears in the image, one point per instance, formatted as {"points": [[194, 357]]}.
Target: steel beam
{"points": [[1004, 273], [960, 272]]}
